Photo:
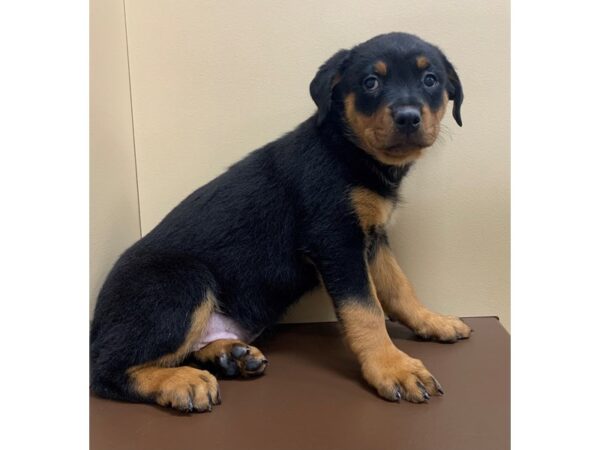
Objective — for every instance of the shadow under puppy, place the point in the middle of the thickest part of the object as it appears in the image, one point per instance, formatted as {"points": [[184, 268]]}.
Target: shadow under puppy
{"points": [[308, 208]]}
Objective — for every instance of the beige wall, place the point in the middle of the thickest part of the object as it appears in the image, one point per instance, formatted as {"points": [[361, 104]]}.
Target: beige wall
{"points": [[114, 212], [212, 80]]}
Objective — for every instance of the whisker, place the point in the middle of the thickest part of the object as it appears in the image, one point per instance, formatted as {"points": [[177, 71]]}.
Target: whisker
{"points": [[446, 133]]}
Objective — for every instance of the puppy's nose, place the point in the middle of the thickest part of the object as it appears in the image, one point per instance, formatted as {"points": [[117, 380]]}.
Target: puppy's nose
{"points": [[407, 118]]}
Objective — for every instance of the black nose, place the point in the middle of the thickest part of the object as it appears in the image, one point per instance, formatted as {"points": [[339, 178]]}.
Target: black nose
{"points": [[407, 118]]}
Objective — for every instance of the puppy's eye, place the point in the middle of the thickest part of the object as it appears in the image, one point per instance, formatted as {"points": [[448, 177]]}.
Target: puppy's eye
{"points": [[430, 80], [371, 83]]}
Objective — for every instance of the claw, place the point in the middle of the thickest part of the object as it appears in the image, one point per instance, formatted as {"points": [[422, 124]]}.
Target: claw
{"points": [[438, 386], [423, 389]]}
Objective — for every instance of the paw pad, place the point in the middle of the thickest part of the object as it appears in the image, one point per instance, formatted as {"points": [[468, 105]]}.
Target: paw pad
{"points": [[242, 360]]}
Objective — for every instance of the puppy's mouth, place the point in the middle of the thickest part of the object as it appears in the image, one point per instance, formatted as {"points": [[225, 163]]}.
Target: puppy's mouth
{"points": [[404, 144]]}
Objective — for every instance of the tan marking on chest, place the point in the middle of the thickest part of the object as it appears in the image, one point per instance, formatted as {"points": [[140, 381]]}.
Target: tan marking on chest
{"points": [[371, 209]]}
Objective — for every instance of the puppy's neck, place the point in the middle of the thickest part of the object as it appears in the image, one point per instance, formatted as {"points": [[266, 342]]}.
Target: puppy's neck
{"points": [[364, 169]]}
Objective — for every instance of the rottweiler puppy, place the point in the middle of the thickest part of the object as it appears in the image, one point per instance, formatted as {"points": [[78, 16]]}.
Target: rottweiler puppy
{"points": [[309, 208]]}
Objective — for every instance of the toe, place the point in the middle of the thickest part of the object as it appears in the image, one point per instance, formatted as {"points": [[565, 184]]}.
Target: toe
{"points": [[463, 330], [212, 386], [423, 390], [427, 382], [202, 401], [253, 363], [253, 366], [414, 393], [391, 392]]}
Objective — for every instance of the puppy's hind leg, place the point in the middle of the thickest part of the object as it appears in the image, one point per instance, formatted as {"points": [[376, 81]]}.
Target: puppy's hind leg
{"points": [[149, 315], [184, 388]]}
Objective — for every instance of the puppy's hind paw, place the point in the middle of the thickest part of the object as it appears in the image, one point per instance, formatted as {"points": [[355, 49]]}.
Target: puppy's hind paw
{"points": [[233, 358]]}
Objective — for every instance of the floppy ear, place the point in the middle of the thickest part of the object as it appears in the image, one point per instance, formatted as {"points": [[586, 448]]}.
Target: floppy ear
{"points": [[454, 89], [322, 84]]}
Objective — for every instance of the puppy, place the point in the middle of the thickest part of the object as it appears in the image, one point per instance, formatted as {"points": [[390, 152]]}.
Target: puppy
{"points": [[308, 208]]}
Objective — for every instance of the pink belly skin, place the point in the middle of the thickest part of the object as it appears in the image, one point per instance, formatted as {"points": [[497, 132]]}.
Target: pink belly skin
{"points": [[220, 326]]}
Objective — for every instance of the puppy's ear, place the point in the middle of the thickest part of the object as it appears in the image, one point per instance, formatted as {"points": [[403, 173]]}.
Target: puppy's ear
{"points": [[454, 89], [322, 85]]}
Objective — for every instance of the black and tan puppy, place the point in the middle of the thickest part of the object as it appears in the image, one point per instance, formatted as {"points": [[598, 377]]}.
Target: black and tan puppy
{"points": [[307, 208]]}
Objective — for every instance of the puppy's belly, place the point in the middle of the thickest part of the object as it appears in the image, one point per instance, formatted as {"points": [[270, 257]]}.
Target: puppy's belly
{"points": [[220, 326]]}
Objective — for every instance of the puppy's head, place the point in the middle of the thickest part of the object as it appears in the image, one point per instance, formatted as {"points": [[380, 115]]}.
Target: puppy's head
{"points": [[390, 93]]}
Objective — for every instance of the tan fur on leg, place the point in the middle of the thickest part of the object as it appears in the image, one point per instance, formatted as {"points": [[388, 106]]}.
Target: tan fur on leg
{"points": [[393, 373], [399, 301]]}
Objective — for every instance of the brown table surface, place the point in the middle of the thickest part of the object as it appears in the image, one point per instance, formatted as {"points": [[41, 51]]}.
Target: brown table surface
{"points": [[312, 397]]}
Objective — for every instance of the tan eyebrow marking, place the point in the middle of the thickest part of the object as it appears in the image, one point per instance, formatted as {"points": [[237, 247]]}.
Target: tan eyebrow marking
{"points": [[422, 62], [381, 68]]}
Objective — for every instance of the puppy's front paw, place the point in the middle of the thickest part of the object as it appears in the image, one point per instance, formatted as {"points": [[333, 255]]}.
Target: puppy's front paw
{"points": [[397, 376], [436, 327]]}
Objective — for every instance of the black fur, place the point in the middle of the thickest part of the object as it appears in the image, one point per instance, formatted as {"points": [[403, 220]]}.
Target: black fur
{"points": [[256, 235], [322, 85]]}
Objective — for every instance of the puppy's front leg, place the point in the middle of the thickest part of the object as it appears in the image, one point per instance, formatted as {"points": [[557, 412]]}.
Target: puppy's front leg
{"points": [[399, 301], [392, 372]]}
